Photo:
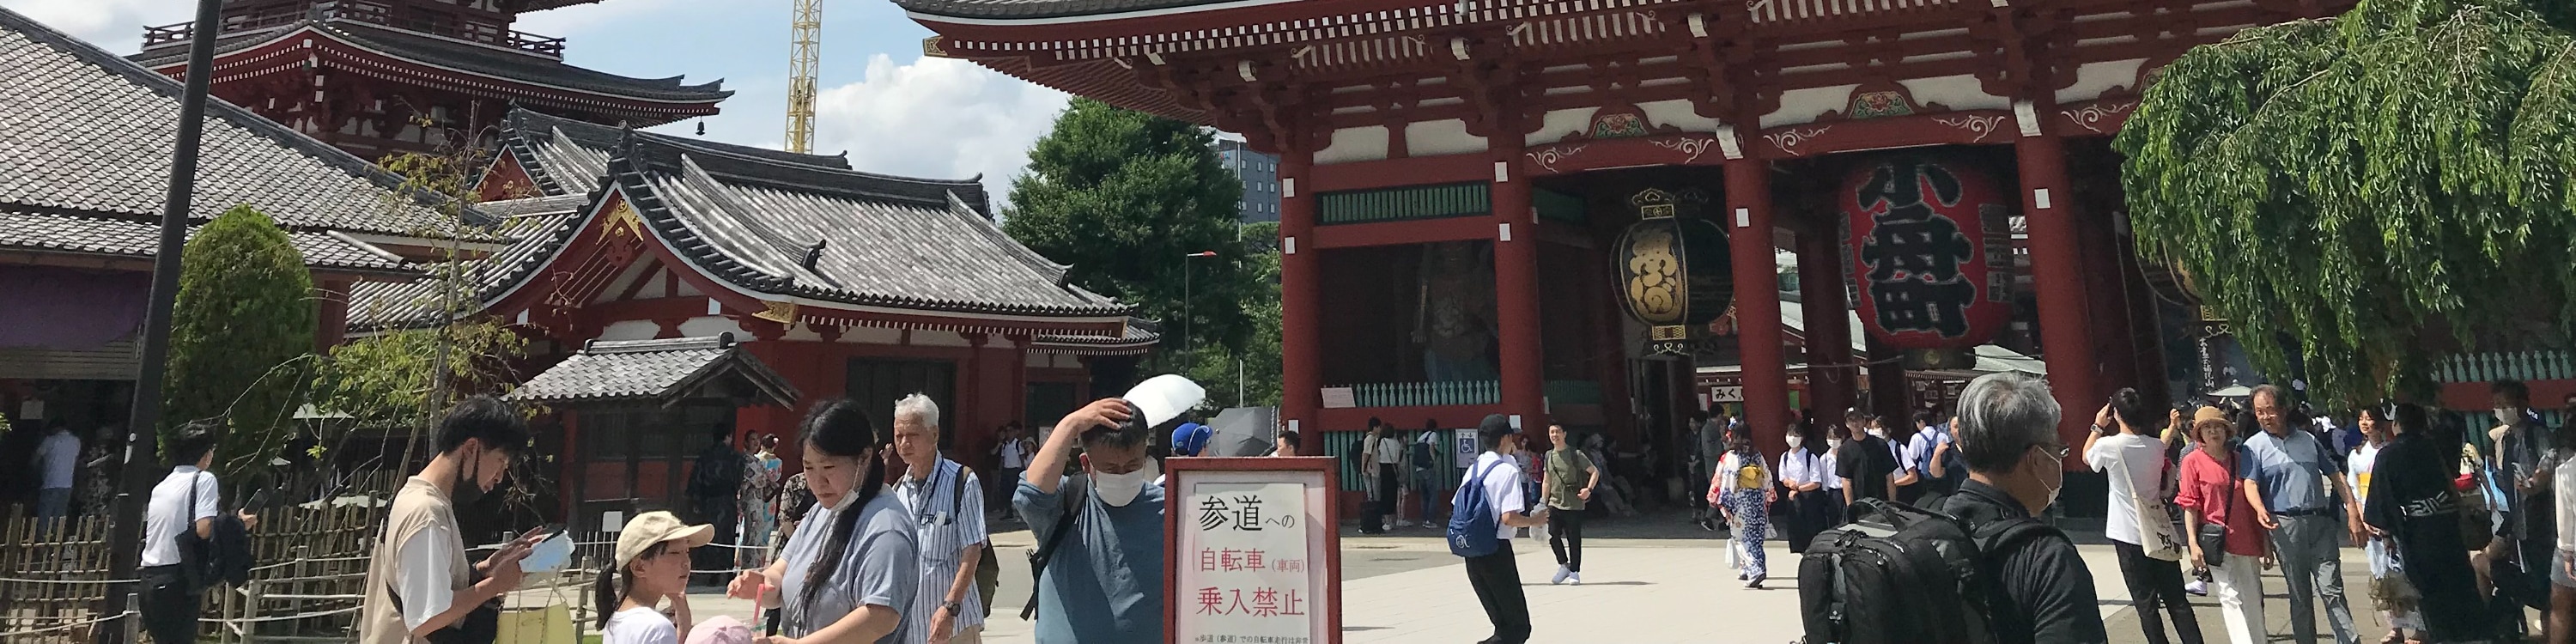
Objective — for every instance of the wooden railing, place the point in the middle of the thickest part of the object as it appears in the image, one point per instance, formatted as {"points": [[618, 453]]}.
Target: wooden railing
{"points": [[447, 25], [2515, 365]]}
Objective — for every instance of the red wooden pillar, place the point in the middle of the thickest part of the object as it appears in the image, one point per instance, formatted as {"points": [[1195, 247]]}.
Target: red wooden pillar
{"points": [[1301, 350], [1757, 302], [2057, 268], [1516, 292], [1833, 380]]}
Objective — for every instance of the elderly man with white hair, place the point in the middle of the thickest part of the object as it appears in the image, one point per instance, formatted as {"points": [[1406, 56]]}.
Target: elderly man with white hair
{"points": [[948, 523], [2016, 466]]}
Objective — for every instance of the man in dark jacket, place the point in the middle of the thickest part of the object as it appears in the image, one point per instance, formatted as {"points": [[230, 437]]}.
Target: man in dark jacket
{"points": [[2016, 467], [712, 484]]}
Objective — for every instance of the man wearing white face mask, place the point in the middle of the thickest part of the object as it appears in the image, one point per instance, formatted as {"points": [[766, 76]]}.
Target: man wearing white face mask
{"points": [[1102, 532], [2016, 467]]}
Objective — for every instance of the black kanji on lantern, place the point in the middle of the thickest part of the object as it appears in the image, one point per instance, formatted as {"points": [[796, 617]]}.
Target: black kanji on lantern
{"points": [[1913, 251]]}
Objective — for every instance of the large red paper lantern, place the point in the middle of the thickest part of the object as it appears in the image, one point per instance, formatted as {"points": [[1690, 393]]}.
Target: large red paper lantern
{"points": [[1931, 248]]}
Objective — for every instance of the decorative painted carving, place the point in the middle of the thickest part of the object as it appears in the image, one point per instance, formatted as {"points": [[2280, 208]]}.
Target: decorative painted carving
{"points": [[2093, 116], [1547, 157], [1870, 105], [1623, 125], [622, 222], [1788, 139], [1982, 126], [780, 312], [1690, 146]]}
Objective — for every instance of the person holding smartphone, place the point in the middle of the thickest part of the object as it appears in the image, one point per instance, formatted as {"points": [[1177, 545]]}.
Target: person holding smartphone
{"points": [[419, 587]]}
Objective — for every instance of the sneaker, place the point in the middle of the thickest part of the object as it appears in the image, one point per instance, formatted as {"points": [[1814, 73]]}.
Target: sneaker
{"points": [[2197, 587], [1574, 578], [1756, 582], [1561, 572]]}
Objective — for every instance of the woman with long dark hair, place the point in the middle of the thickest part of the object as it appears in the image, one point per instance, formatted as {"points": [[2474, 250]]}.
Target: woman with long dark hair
{"points": [[849, 574]]}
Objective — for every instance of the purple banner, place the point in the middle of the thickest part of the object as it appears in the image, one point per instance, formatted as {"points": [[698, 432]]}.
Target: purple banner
{"points": [[64, 308]]}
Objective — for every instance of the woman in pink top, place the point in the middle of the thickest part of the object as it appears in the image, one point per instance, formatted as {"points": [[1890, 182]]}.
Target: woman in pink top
{"points": [[2207, 494]]}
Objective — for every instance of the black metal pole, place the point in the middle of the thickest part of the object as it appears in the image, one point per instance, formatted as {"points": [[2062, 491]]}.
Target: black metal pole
{"points": [[143, 425]]}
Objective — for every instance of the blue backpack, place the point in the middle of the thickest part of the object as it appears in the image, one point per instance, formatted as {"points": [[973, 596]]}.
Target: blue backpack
{"points": [[1471, 518]]}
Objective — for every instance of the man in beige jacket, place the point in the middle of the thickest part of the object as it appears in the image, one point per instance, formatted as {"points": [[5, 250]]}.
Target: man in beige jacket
{"points": [[418, 583]]}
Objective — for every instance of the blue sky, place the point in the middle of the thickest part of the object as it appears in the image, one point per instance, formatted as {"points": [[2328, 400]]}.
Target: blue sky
{"points": [[891, 109]]}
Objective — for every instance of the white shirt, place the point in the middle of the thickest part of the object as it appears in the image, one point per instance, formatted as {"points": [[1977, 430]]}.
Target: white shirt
{"points": [[1013, 456], [638, 625], [2357, 469], [2566, 491], [163, 518], [2134, 463], [57, 458], [1502, 488], [423, 575], [1389, 450]]}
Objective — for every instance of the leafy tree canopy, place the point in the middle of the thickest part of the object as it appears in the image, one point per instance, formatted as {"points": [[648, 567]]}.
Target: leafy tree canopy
{"points": [[1249, 374], [243, 325], [1125, 198], [2370, 191]]}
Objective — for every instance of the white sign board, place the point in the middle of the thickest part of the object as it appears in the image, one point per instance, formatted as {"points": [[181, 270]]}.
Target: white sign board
{"points": [[1252, 559], [1466, 447], [1727, 394], [1340, 398]]}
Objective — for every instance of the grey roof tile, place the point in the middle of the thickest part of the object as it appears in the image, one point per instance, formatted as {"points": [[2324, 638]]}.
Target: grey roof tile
{"points": [[70, 233], [1008, 9], [751, 216], [491, 61], [650, 370], [83, 130], [535, 228]]}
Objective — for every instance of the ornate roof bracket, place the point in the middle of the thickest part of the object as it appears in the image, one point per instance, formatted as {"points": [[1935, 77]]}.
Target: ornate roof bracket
{"points": [[1488, 79], [2023, 37], [1718, 56]]}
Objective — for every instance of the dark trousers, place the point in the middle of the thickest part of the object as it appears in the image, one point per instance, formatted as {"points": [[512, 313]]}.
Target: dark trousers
{"points": [[1497, 580], [1565, 536], [169, 608], [1388, 487], [2153, 582]]}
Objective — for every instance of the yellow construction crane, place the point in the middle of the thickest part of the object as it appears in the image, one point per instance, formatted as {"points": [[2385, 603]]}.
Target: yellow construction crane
{"points": [[807, 34]]}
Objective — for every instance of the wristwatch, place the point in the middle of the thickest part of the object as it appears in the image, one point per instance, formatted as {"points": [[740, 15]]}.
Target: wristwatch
{"points": [[953, 607]]}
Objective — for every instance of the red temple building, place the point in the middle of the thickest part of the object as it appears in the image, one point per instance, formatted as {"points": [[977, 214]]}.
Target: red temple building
{"points": [[365, 74], [1474, 190], [671, 286]]}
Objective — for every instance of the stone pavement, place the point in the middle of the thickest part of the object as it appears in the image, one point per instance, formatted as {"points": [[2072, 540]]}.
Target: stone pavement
{"points": [[1407, 588]]}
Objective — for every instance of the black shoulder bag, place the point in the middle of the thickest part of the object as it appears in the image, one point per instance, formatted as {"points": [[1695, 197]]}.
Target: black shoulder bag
{"points": [[988, 569], [1046, 553]]}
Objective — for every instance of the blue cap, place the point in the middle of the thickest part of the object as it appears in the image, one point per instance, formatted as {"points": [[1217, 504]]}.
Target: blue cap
{"points": [[1189, 439]]}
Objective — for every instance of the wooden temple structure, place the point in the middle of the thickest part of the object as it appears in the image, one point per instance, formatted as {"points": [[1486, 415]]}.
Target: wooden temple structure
{"points": [[672, 286], [376, 77], [1464, 183]]}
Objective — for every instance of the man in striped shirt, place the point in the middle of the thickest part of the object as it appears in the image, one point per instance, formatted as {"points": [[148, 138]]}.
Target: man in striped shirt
{"points": [[949, 527]]}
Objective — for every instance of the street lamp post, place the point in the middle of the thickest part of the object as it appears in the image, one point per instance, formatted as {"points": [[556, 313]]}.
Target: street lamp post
{"points": [[1185, 295]]}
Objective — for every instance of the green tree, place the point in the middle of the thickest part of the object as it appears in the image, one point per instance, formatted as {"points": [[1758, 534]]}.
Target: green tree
{"points": [[2371, 191], [239, 336], [1254, 368], [1125, 198]]}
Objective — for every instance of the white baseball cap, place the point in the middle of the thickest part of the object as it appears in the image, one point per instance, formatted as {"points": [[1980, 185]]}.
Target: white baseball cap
{"points": [[656, 527]]}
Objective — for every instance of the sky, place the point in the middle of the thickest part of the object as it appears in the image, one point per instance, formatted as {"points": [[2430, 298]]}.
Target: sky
{"points": [[891, 109]]}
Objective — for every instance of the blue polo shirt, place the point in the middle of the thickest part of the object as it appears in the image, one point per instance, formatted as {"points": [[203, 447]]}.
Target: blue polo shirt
{"points": [[1105, 583], [2292, 471]]}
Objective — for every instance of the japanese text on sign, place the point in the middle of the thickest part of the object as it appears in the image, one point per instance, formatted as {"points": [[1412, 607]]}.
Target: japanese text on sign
{"points": [[1246, 578], [1913, 252]]}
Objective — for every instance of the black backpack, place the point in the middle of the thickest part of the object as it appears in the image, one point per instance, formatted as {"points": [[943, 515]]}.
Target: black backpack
{"points": [[1905, 574]]}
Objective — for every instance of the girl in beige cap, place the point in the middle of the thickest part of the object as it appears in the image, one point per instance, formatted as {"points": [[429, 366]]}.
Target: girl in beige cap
{"points": [[652, 563]]}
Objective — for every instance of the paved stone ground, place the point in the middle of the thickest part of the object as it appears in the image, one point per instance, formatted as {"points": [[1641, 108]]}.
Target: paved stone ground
{"points": [[1647, 580]]}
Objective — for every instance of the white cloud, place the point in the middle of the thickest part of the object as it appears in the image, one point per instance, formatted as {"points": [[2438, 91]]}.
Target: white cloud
{"points": [[587, 18], [938, 118], [115, 25]]}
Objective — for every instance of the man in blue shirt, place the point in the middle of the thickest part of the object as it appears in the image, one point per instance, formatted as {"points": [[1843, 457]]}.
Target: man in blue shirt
{"points": [[1104, 581], [2293, 485]]}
